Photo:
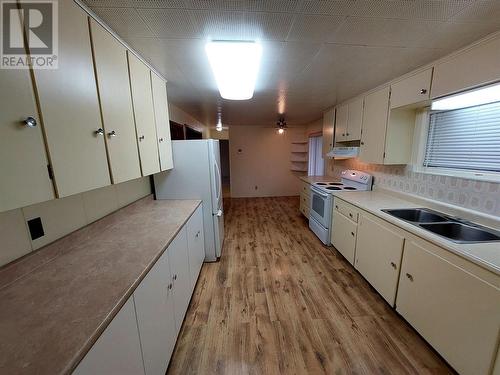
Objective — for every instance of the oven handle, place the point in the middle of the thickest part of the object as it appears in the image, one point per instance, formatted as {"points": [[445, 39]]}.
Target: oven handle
{"points": [[319, 192]]}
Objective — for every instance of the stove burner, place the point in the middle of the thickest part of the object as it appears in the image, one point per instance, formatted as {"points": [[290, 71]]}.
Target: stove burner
{"points": [[333, 188], [349, 188], [320, 183], [336, 183]]}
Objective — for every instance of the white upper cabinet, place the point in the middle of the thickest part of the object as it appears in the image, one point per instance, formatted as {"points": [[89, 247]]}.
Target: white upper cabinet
{"points": [[162, 120], [354, 120], [110, 58], [411, 90], [70, 109], [328, 126], [475, 66], [23, 161], [375, 115], [341, 116], [142, 99]]}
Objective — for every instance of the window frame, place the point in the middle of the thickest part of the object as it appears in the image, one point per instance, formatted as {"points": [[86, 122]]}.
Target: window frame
{"points": [[420, 136]]}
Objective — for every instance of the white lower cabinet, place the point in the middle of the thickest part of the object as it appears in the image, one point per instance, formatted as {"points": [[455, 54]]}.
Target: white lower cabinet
{"points": [[457, 312], [141, 337], [196, 245], [379, 248], [155, 317], [343, 235], [118, 349]]}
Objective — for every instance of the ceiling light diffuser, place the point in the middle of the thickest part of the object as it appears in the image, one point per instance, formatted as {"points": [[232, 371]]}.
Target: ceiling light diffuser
{"points": [[483, 95], [235, 66]]}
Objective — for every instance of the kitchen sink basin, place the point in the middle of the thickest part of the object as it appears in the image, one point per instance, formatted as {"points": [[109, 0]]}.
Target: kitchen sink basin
{"points": [[416, 215], [461, 233]]}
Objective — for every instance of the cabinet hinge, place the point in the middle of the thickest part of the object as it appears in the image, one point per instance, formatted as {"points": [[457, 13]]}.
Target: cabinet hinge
{"points": [[50, 171]]}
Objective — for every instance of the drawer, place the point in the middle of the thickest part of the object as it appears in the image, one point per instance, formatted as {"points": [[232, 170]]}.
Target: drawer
{"points": [[346, 209], [305, 200], [305, 188], [305, 211]]}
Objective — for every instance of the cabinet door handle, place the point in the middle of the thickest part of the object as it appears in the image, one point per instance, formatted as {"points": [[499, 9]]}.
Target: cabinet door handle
{"points": [[197, 234], [112, 133], [30, 122], [337, 207], [352, 234], [141, 138], [347, 134], [423, 91], [99, 131], [175, 277], [350, 215], [170, 286], [362, 143], [410, 277], [393, 265], [343, 134], [160, 140]]}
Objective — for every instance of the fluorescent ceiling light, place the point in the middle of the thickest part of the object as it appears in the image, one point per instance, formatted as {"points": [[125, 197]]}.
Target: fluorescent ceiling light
{"points": [[483, 95], [235, 66]]}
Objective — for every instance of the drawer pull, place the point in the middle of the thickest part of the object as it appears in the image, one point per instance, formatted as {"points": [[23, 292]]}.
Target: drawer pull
{"points": [[410, 277], [350, 215], [393, 265], [336, 207], [423, 91]]}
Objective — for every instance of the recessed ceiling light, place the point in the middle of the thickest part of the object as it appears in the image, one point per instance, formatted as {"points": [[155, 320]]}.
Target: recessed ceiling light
{"points": [[235, 66], [485, 95]]}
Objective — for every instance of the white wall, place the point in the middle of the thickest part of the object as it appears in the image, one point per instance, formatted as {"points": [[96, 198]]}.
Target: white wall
{"points": [[178, 115], [264, 161]]}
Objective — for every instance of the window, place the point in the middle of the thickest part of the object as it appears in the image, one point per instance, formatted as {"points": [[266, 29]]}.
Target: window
{"points": [[464, 140], [316, 162]]}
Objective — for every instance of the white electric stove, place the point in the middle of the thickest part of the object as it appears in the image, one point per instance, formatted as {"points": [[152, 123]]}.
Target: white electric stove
{"points": [[322, 200]]}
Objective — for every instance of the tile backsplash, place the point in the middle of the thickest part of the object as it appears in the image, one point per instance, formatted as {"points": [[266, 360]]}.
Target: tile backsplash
{"points": [[475, 195]]}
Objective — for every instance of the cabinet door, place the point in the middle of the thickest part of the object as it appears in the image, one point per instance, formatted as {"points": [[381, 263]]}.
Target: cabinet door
{"points": [[70, 109], [343, 236], [162, 120], [118, 349], [455, 311], [375, 114], [155, 317], [179, 269], [142, 99], [474, 67], [411, 90], [354, 120], [110, 58], [196, 245], [23, 161], [341, 123], [379, 248], [328, 125]]}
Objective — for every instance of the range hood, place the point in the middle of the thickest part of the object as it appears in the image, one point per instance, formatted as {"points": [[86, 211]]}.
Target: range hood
{"points": [[343, 153]]}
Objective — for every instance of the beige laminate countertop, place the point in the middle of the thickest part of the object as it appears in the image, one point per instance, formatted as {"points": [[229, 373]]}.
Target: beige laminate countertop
{"points": [[312, 179], [56, 302], [486, 255]]}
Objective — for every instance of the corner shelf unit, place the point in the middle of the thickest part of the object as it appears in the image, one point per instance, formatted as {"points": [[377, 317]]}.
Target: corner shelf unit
{"points": [[299, 156]]}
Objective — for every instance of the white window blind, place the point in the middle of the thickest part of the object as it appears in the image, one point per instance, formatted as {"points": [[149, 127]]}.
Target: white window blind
{"points": [[466, 138]]}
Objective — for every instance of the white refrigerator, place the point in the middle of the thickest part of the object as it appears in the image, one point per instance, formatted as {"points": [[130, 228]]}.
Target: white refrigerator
{"points": [[197, 175]]}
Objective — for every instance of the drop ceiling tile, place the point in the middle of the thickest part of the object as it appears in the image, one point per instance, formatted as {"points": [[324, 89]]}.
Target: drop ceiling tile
{"points": [[217, 4], [383, 8], [223, 25], [382, 32], [441, 10], [336, 7], [480, 11], [268, 26], [136, 3], [126, 22], [170, 23], [287, 6], [314, 28]]}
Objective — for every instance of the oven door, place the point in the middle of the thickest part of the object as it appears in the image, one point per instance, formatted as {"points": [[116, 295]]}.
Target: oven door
{"points": [[321, 207]]}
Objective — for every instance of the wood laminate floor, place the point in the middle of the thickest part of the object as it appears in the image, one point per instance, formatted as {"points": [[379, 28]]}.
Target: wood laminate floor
{"points": [[279, 302]]}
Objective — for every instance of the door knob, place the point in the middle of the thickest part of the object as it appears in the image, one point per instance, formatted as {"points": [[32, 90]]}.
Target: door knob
{"points": [[99, 131], [423, 91], [112, 133], [30, 122]]}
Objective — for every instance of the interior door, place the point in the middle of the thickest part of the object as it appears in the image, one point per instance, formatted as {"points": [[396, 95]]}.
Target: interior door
{"points": [[110, 58], [23, 161], [162, 121], [70, 109], [142, 101]]}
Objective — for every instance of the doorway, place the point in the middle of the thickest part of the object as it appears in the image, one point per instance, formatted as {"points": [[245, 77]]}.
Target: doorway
{"points": [[225, 167]]}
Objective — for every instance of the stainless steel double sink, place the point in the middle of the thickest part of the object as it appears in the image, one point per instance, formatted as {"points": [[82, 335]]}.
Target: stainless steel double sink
{"points": [[451, 228]]}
